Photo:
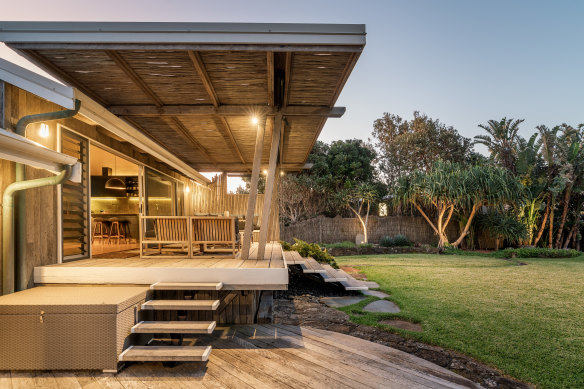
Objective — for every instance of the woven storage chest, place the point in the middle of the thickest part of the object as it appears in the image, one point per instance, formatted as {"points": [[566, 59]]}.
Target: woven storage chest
{"points": [[67, 327]]}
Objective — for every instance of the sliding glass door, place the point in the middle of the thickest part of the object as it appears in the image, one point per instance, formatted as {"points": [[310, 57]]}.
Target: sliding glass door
{"points": [[162, 195]]}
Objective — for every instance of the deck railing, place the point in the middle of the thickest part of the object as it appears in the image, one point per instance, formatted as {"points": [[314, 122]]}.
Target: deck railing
{"points": [[187, 236]]}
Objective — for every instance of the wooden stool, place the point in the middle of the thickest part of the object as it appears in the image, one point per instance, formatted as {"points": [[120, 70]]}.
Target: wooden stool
{"points": [[115, 231], [99, 230], [125, 228]]}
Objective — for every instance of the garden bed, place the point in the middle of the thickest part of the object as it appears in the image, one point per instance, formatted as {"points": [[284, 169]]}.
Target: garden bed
{"points": [[347, 251]]}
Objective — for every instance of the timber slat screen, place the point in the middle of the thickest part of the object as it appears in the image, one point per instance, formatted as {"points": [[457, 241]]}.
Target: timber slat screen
{"points": [[75, 201]]}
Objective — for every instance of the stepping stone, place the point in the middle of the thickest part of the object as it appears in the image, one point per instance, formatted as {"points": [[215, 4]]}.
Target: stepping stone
{"points": [[343, 301], [403, 324], [382, 306], [376, 293]]}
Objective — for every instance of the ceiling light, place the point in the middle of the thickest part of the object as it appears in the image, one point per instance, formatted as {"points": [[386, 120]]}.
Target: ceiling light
{"points": [[254, 120], [115, 183], [44, 131]]}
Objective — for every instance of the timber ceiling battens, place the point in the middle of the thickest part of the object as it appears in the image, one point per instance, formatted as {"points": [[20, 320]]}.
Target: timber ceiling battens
{"points": [[287, 73], [172, 121], [197, 61], [270, 81], [223, 110], [222, 125], [177, 125], [122, 64], [60, 74]]}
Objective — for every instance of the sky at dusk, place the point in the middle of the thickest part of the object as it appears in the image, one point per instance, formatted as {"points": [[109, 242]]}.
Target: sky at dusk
{"points": [[463, 62]]}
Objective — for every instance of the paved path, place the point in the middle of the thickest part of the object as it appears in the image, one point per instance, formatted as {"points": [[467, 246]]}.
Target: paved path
{"points": [[266, 356]]}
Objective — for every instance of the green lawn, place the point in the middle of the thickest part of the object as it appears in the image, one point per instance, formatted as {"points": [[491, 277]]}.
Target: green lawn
{"points": [[528, 321]]}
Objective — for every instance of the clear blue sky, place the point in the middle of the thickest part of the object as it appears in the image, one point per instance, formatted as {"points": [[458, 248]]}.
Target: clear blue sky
{"points": [[463, 62]]}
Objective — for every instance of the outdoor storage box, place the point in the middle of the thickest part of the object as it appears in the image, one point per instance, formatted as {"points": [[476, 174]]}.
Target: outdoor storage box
{"points": [[67, 327]]}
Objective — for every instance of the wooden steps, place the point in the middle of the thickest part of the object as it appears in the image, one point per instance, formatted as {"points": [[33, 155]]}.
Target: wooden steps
{"points": [[182, 305], [328, 274], [174, 327], [166, 354], [333, 275], [187, 286]]}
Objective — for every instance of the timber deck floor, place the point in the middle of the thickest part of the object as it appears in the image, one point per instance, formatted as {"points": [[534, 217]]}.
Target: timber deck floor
{"points": [[269, 273], [273, 259], [265, 356]]}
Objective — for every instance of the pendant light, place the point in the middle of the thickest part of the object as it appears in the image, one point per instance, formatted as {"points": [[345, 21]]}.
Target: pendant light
{"points": [[114, 182]]}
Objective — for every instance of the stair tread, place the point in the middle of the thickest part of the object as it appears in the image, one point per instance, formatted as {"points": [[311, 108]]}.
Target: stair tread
{"points": [[187, 305], [174, 327], [316, 267], [333, 275], [166, 353], [351, 283], [187, 286]]}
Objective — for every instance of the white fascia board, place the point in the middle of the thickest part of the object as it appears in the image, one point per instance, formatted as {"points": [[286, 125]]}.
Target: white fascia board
{"points": [[16, 148], [98, 114], [201, 33], [36, 84]]}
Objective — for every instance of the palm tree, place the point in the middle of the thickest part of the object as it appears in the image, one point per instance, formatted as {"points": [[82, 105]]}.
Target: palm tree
{"points": [[502, 141]]}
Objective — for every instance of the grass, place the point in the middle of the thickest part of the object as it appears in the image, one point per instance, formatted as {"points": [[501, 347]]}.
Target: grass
{"points": [[528, 321]]}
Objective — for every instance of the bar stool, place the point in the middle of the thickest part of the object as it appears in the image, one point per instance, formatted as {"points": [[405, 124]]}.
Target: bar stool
{"points": [[100, 230], [115, 231], [125, 228]]}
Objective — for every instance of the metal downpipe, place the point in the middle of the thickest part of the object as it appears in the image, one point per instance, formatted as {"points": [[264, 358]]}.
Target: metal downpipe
{"points": [[8, 222], [20, 176]]}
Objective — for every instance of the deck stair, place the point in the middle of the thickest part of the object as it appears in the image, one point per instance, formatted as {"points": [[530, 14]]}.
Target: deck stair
{"points": [[326, 272], [177, 329]]}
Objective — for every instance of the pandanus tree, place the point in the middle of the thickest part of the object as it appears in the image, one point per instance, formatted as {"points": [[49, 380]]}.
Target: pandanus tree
{"points": [[359, 200], [449, 188]]}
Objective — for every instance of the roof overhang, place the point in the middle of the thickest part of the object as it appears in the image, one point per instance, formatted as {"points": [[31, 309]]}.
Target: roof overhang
{"points": [[193, 36], [192, 87]]}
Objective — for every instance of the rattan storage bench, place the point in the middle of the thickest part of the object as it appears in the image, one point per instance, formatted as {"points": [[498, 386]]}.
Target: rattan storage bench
{"points": [[67, 327]]}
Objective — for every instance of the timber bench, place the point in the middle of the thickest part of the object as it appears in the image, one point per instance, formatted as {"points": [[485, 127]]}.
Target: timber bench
{"points": [[183, 236]]}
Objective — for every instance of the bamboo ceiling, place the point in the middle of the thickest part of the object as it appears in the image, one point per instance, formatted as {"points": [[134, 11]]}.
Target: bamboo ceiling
{"points": [[197, 100]]}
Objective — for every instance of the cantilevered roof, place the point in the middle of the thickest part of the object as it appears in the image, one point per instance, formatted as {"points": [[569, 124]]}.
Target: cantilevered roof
{"points": [[193, 87]]}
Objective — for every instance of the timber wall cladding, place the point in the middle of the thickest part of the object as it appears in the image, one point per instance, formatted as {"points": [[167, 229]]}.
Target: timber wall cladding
{"points": [[331, 230], [42, 203]]}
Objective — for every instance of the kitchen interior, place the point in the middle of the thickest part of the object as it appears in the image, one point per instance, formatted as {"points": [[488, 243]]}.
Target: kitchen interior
{"points": [[115, 204]]}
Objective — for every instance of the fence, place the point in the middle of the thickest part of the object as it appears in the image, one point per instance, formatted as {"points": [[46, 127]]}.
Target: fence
{"points": [[330, 230]]}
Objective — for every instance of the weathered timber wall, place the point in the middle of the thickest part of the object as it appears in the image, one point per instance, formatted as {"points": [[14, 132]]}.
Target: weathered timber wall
{"points": [[331, 230], [42, 242]]}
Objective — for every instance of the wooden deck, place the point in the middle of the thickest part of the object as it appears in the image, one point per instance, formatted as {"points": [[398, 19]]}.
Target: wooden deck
{"points": [[269, 273], [280, 356]]}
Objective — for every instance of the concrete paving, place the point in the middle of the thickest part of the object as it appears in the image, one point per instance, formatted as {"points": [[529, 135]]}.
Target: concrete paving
{"points": [[336, 302], [376, 293], [383, 306]]}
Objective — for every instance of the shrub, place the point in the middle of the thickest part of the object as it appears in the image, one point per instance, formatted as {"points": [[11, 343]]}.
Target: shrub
{"points": [[313, 250], [285, 245], [536, 252], [396, 241], [366, 245], [401, 240], [387, 241], [341, 245]]}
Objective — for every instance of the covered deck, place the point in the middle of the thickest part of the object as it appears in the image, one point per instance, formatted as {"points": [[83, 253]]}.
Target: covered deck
{"points": [[269, 273]]}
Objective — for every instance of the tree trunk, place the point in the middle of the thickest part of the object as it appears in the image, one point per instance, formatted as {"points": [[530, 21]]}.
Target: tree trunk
{"points": [[564, 216], [543, 223], [551, 231], [467, 226]]}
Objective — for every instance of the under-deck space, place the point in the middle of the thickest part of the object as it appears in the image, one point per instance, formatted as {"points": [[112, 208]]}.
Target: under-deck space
{"points": [[269, 273]]}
